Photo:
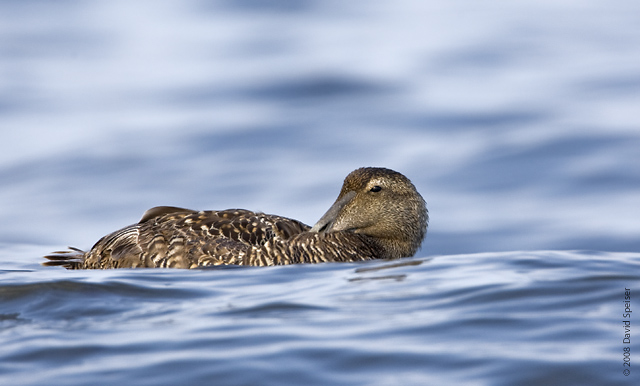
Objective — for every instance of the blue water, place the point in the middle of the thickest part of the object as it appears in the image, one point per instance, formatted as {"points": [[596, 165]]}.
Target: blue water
{"points": [[536, 318], [517, 121]]}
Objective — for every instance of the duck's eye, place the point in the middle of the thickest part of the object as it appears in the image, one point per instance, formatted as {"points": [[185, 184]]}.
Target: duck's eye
{"points": [[376, 189]]}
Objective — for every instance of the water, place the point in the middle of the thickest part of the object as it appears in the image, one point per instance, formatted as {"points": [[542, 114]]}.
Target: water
{"points": [[479, 319], [517, 121]]}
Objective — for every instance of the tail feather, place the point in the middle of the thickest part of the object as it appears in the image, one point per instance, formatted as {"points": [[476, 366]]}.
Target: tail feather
{"points": [[70, 259]]}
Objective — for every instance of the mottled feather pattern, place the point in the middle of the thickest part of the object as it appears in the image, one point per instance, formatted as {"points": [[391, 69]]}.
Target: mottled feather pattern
{"points": [[191, 239], [378, 214]]}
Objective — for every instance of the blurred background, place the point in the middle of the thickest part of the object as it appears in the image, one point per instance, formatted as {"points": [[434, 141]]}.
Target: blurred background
{"points": [[518, 121]]}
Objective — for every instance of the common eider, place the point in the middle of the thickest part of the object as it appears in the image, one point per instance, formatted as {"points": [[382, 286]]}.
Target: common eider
{"points": [[378, 214]]}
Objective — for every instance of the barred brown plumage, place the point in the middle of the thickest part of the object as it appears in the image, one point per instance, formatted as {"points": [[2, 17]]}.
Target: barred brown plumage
{"points": [[378, 214]]}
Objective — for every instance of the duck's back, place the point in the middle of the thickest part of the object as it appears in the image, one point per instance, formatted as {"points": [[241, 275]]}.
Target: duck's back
{"points": [[169, 237]]}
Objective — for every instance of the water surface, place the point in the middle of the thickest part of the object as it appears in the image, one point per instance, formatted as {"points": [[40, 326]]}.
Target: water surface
{"points": [[488, 319]]}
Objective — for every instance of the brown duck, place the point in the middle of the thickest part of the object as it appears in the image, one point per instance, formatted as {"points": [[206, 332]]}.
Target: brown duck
{"points": [[379, 214]]}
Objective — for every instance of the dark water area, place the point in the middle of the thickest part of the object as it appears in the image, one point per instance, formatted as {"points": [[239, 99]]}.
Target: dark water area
{"points": [[517, 121], [552, 318]]}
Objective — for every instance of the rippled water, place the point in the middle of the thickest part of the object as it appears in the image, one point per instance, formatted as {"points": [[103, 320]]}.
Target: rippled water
{"points": [[517, 121], [488, 319]]}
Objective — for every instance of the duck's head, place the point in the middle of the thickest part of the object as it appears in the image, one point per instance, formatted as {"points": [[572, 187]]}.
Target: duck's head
{"points": [[382, 204]]}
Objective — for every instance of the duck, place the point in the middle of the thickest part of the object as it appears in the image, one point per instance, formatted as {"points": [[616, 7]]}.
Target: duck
{"points": [[378, 214]]}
